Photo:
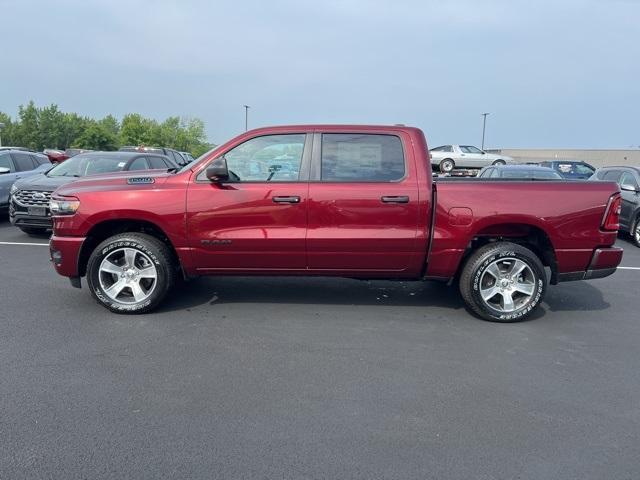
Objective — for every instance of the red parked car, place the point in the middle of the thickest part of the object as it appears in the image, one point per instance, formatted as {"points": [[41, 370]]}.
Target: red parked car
{"points": [[55, 156], [347, 201]]}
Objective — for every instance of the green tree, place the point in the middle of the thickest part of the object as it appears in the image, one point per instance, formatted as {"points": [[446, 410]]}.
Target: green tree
{"points": [[96, 137], [51, 127], [28, 131], [8, 132]]}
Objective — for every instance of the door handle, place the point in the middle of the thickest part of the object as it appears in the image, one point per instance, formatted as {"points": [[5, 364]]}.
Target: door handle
{"points": [[395, 199], [292, 199]]}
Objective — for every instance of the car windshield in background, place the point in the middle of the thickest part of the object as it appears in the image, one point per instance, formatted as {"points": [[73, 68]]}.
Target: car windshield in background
{"points": [[575, 168], [90, 164]]}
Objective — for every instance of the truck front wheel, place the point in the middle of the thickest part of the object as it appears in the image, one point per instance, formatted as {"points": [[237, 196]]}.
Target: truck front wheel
{"points": [[130, 272], [503, 282]]}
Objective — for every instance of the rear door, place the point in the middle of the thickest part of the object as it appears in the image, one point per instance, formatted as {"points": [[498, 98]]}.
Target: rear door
{"points": [[363, 204], [257, 221]]}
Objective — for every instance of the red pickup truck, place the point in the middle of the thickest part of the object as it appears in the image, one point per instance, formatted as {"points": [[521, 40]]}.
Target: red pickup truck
{"points": [[347, 201]]}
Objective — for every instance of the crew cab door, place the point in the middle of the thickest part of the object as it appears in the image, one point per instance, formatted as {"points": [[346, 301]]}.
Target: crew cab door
{"points": [[258, 219], [363, 205]]}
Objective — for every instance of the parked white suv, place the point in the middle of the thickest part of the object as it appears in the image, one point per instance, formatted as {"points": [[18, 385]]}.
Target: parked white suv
{"points": [[448, 157]]}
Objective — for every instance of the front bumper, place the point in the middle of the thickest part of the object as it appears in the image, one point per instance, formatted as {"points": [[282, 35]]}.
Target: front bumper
{"points": [[20, 217], [604, 262], [65, 255]]}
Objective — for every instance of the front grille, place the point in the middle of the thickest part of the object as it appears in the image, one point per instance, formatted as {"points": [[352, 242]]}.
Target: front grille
{"points": [[32, 198]]}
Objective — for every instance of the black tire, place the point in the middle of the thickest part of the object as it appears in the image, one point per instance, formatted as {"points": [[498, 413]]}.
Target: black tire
{"points": [[154, 250], [499, 162], [635, 232], [502, 254], [447, 165], [33, 230]]}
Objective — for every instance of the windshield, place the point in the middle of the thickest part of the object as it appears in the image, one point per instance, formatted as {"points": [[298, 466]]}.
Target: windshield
{"points": [[90, 164]]}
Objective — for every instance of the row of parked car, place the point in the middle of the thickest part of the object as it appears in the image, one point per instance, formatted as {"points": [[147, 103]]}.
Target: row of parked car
{"points": [[59, 156], [28, 178]]}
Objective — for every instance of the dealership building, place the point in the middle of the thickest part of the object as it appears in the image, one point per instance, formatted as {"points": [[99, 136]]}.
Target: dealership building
{"points": [[597, 158]]}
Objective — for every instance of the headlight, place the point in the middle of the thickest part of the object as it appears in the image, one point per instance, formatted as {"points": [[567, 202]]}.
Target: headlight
{"points": [[14, 189], [64, 206]]}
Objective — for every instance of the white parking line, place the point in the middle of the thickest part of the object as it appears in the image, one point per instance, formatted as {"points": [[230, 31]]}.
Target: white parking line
{"points": [[24, 243], [628, 268]]}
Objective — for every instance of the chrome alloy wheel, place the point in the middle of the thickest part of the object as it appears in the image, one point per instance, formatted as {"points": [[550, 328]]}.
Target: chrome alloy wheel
{"points": [[127, 275], [507, 284], [636, 234]]}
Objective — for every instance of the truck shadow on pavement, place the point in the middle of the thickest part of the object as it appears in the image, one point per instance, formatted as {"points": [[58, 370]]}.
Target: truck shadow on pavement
{"points": [[576, 296]]}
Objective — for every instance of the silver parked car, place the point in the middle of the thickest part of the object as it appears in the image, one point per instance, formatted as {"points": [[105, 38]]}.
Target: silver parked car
{"points": [[15, 164], [448, 157]]}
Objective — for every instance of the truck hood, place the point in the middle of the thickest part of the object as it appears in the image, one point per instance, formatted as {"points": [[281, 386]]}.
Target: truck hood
{"points": [[42, 183], [115, 181]]}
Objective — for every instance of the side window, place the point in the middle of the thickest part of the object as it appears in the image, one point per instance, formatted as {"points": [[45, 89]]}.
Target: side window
{"points": [[270, 158], [627, 179], [356, 157], [612, 175], [139, 163], [23, 161], [157, 162], [5, 162], [40, 160], [469, 149], [495, 173]]}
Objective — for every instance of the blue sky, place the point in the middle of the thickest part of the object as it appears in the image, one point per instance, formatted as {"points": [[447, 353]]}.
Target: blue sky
{"points": [[559, 73]]}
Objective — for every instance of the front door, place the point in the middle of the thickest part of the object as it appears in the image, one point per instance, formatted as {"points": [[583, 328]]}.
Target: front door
{"points": [[363, 206], [257, 221]]}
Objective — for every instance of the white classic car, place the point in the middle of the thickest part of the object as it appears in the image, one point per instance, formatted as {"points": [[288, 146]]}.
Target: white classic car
{"points": [[448, 157]]}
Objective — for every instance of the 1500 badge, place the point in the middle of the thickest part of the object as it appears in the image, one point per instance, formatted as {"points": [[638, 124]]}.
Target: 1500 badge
{"points": [[216, 242], [139, 180]]}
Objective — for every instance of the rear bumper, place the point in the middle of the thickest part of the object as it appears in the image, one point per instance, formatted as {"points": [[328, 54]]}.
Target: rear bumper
{"points": [[604, 262], [65, 254]]}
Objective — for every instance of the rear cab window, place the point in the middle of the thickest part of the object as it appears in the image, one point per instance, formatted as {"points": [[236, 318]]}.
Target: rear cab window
{"points": [[360, 157]]}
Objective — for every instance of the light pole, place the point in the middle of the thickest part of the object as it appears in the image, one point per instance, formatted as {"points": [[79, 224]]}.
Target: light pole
{"points": [[484, 126], [246, 117], [1, 127]]}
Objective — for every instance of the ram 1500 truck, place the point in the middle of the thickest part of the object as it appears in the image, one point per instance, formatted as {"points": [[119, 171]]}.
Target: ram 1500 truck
{"points": [[327, 200]]}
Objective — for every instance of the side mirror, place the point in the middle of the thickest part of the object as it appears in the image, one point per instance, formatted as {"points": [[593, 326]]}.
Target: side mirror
{"points": [[483, 152], [218, 172], [4, 170], [628, 188]]}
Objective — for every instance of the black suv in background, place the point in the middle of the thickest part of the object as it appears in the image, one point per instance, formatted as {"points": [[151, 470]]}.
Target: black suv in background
{"points": [[570, 169], [29, 203], [174, 155], [629, 180], [15, 164]]}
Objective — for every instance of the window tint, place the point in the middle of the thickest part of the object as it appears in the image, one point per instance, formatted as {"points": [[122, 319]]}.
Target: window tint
{"points": [[612, 175], [40, 160], [444, 148], [139, 163], [270, 158], [470, 149], [361, 158], [544, 175], [5, 161], [627, 179], [157, 162], [23, 161]]}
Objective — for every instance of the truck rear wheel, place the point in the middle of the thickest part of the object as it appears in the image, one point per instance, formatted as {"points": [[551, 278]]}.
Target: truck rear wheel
{"points": [[503, 282], [130, 273]]}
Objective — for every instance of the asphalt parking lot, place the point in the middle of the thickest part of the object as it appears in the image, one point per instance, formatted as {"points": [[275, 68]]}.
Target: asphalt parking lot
{"points": [[314, 378]]}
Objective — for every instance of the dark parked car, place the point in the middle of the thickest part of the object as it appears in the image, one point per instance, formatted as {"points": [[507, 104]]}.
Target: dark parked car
{"points": [[570, 169], [16, 164], [188, 157], [628, 178], [29, 203], [175, 155], [72, 152], [519, 172]]}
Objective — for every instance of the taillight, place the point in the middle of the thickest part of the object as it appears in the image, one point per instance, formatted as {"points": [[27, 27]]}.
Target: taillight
{"points": [[611, 220]]}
